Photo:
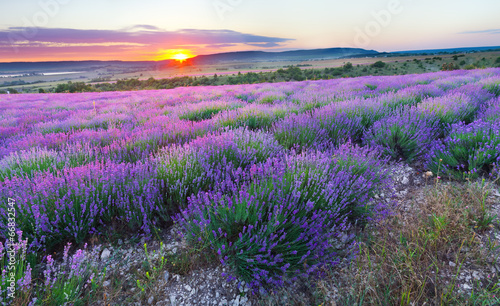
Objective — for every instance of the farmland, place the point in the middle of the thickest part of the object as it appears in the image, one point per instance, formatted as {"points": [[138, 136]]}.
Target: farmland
{"points": [[161, 76], [279, 184]]}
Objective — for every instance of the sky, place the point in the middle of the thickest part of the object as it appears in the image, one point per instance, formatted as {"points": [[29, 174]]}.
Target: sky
{"points": [[56, 30]]}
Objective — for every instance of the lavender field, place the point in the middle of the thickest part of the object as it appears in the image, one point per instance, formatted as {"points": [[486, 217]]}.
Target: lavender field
{"points": [[267, 177]]}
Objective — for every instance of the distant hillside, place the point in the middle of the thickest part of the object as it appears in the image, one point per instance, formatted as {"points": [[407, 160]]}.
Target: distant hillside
{"points": [[450, 50], [38, 67], [247, 56], [296, 55]]}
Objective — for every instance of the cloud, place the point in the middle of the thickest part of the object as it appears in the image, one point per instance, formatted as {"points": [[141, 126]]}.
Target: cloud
{"points": [[138, 42], [265, 45], [139, 34], [488, 31], [142, 26]]}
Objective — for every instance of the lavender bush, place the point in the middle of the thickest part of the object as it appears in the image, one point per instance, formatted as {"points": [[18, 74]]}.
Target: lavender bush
{"points": [[278, 226], [469, 150], [491, 111], [57, 284], [450, 109], [69, 205], [405, 136], [210, 160], [300, 132]]}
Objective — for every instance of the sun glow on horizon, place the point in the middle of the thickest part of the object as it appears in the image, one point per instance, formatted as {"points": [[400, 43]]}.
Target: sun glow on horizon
{"points": [[179, 55]]}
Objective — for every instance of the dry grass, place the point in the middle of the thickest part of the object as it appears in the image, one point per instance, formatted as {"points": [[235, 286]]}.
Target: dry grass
{"points": [[406, 259]]}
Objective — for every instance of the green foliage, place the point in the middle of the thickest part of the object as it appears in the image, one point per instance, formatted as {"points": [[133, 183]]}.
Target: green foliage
{"points": [[449, 67], [11, 274], [202, 113], [253, 119], [73, 87], [270, 99], [378, 64], [348, 66], [493, 87], [405, 136], [182, 172], [467, 151]]}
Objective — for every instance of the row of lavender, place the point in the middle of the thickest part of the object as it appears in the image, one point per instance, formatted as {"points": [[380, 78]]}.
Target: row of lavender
{"points": [[266, 175]]}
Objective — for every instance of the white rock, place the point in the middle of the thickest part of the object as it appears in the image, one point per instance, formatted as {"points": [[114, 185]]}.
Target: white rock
{"points": [[405, 181], [105, 254], [187, 287], [106, 283], [150, 300], [166, 275], [452, 264], [243, 300], [466, 287]]}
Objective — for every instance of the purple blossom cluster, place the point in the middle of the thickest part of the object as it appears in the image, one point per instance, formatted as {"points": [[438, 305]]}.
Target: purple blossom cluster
{"points": [[74, 202], [468, 151], [324, 128], [214, 161], [491, 110], [450, 108], [406, 135], [279, 225]]}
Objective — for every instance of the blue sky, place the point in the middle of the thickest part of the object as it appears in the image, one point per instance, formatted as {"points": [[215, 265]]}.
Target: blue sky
{"points": [[146, 29]]}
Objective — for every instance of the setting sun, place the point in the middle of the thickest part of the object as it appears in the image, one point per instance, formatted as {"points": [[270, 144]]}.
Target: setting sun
{"points": [[175, 54]]}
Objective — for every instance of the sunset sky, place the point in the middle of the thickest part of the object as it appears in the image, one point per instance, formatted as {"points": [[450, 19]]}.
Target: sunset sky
{"points": [[43, 30]]}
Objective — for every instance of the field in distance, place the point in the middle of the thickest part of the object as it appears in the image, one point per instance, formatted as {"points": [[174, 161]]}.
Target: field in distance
{"points": [[92, 73]]}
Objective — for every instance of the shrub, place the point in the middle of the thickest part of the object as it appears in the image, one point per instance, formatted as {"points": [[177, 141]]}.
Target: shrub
{"points": [[254, 118], [209, 161], [378, 64], [300, 132], [491, 111], [493, 87], [347, 66], [449, 67], [450, 109], [468, 151], [278, 226], [61, 284], [339, 126], [395, 101], [369, 110], [269, 99], [28, 162], [264, 233], [66, 283], [73, 203], [202, 114], [406, 135], [15, 279]]}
